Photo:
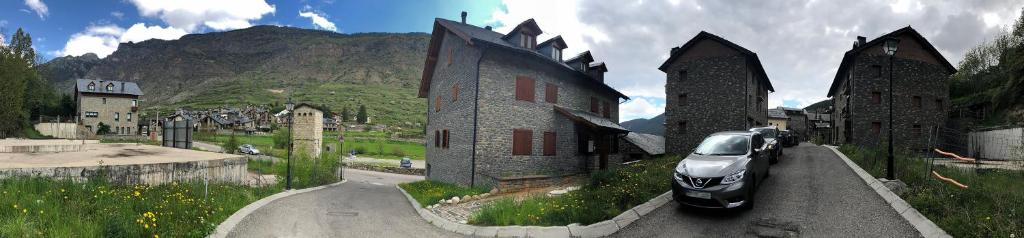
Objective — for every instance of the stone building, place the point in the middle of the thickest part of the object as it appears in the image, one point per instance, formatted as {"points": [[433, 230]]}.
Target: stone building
{"points": [[113, 103], [507, 111], [796, 122], [639, 146], [712, 85], [819, 126], [860, 92], [777, 118], [307, 130]]}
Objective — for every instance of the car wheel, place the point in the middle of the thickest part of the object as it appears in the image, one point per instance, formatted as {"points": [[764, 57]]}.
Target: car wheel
{"points": [[773, 160], [751, 190], [768, 172]]}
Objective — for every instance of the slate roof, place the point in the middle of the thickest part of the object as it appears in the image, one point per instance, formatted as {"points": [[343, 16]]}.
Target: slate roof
{"points": [[590, 119], [652, 144], [129, 88], [703, 35], [777, 113], [475, 35], [852, 53]]}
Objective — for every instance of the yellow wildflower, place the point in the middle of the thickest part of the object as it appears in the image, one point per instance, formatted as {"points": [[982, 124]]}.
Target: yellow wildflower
{"points": [[24, 210], [146, 226]]}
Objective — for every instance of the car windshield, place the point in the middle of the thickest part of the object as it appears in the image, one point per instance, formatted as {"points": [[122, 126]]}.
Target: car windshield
{"points": [[724, 145], [766, 132]]}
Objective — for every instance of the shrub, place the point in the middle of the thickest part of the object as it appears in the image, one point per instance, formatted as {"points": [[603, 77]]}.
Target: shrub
{"points": [[231, 145], [360, 150], [102, 129], [397, 152], [281, 139]]}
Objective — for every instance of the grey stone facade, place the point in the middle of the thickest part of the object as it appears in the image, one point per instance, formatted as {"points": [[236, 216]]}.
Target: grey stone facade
{"points": [[711, 85], [307, 130], [481, 116], [860, 93], [113, 103]]}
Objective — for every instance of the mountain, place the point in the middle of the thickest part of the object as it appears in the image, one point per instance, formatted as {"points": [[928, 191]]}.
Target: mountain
{"points": [[819, 106], [266, 65], [655, 125]]}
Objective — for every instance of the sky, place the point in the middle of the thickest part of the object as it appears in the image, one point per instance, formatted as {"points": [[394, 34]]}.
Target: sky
{"points": [[800, 42]]}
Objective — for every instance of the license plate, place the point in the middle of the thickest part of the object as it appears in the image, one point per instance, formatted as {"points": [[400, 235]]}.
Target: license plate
{"points": [[697, 194]]}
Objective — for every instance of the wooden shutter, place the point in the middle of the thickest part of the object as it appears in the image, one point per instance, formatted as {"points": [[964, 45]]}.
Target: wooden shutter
{"points": [[551, 93], [876, 128], [522, 142], [444, 143], [524, 88], [606, 110], [876, 97], [437, 104], [455, 92], [549, 143], [593, 105], [437, 139]]}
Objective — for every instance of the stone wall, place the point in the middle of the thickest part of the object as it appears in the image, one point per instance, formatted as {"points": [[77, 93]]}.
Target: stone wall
{"points": [[232, 170], [452, 164], [58, 130], [308, 131], [715, 100], [107, 106]]}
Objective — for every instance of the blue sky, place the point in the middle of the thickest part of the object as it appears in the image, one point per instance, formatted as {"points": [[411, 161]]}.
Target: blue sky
{"points": [[800, 42]]}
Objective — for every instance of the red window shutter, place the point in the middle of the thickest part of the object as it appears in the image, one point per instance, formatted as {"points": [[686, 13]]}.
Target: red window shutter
{"points": [[450, 50], [444, 143], [593, 105], [455, 92], [524, 88], [522, 142], [437, 139], [549, 143], [606, 110], [437, 104], [876, 97], [876, 128], [551, 93]]}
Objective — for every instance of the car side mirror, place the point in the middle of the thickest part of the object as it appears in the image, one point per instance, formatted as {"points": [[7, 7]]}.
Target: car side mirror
{"points": [[757, 151]]}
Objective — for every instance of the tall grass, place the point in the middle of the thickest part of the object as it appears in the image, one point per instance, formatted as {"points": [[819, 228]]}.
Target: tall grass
{"points": [[428, 192], [992, 206], [607, 194]]}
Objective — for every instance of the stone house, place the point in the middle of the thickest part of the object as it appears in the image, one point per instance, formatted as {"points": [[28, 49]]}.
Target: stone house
{"points": [[777, 118], [860, 92], [639, 146], [113, 103], [712, 85], [796, 121], [819, 126], [506, 111], [307, 130]]}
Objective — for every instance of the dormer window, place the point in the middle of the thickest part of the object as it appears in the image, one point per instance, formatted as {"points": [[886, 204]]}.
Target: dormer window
{"points": [[556, 54], [92, 86], [110, 87], [528, 41], [584, 66]]}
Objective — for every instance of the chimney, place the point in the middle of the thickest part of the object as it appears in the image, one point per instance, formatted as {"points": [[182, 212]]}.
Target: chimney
{"points": [[487, 27], [674, 49], [464, 17], [122, 87], [861, 40]]}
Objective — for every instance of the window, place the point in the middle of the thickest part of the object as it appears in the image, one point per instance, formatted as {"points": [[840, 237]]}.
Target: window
{"points": [[450, 51], [615, 145], [682, 127], [92, 86], [876, 97], [916, 129], [104, 100], [129, 116], [556, 54], [876, 71], [135, 102], [444, 141], [916, 101], [437, 139], [682, 75], [551, 93], [437, 104], [594, 107], [522, 142], [92, 114], [528, 41], [110, 87], [455, 92], [524, 88], [876, 128], [606, 111], [584, 66], [682, 99], [939, 104], [117, 116], [549, 143]]}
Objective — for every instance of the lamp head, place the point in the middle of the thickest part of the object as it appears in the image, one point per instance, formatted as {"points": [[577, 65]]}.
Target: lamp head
{"points": [[890, 45]]}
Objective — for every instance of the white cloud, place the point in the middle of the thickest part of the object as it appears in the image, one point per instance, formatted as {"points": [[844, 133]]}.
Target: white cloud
{"points": [[318, 20], [39, 7], [554, 18], [117, 14], [640, 107], [217, 15], [104, 39]]}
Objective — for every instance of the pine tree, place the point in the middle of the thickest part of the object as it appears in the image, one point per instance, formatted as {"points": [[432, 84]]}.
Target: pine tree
{"points": [[345, 114], [361, 115]]}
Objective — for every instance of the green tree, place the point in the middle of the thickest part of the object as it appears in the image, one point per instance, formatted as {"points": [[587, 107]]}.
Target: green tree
{"points": [[16, 69], [361, 115], [231, 145], [281, 138], [102, 129], [345, 114]]}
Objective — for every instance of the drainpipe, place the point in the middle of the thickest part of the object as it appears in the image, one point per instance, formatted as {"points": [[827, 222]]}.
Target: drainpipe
{"points": [[476, 111]]}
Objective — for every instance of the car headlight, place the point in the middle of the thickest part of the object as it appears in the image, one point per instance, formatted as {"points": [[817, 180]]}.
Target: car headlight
{"points": [[678, 175], [736, 177]]}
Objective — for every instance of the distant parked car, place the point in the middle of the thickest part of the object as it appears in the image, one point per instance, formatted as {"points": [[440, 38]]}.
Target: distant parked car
{"points": [[248, 149], [723, 172], [771, 138], [406, 163], [788, 138]]}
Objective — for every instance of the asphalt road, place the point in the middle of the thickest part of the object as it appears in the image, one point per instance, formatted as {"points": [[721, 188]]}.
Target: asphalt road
{"points": [[368, 205], [811, 193]]}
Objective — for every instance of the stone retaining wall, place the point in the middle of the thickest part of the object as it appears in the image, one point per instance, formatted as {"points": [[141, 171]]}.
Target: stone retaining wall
{"points": [[41, 148], [231, 170]]}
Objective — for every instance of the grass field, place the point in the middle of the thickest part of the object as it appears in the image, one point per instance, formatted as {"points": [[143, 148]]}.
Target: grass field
{"points": [[370, 144], [428, 192], [992, 206]]}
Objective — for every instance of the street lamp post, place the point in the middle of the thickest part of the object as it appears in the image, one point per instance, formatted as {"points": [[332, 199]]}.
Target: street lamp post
{"points": [[890, 46], [290, 106]]}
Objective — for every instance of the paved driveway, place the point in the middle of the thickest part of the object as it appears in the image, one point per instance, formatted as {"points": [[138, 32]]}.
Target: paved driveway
{"points": [[811, 194], [368, 205]]}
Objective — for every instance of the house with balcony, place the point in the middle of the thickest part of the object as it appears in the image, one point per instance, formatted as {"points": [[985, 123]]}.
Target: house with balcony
{"points": [[510, 111], [112, 103]]}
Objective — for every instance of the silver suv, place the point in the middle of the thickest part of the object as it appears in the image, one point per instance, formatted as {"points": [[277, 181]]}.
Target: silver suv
{"points": [[723, 172]]}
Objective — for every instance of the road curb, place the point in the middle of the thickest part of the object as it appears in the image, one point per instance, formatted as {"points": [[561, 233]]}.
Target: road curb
{"points": [[229, 224], [926, 227], [598, 229]]}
